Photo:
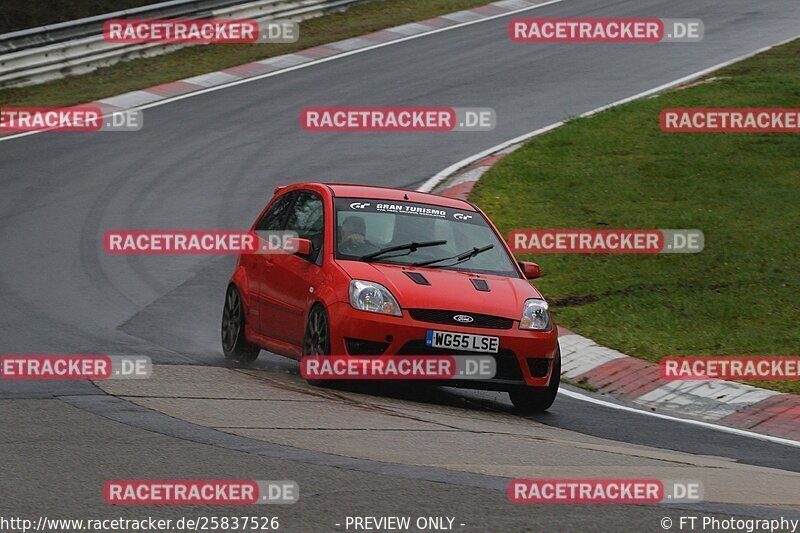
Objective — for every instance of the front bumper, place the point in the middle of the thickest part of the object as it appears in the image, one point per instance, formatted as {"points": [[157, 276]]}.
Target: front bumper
{"points": [[524, 358]]}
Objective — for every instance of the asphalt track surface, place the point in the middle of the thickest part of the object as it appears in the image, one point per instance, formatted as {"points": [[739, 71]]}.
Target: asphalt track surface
{"points": [[212, 161]]}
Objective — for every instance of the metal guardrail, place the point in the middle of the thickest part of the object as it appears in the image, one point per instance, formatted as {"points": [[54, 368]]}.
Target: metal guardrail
{"points": [[36, 55]]}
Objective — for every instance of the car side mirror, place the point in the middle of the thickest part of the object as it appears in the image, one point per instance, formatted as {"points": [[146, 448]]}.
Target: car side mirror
{"points": [[531, 270], [300, 247]]}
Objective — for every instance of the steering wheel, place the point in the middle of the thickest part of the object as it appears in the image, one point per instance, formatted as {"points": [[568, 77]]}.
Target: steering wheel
{"points": [[350, 246]]}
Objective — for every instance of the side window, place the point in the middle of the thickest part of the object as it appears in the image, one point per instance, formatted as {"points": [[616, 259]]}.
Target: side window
{"points": [[273, 219], [307, 219]]}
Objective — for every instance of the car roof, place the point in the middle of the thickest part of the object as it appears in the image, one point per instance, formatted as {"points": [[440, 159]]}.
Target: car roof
{"points": [[387, 193]]}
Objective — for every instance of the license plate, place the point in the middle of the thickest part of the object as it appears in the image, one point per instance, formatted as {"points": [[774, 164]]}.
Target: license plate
{"points": [[462, 341]]}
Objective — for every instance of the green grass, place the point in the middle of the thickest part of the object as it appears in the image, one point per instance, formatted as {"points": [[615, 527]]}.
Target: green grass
{"points": [[741, 295], [191, 61], [31, 13]]}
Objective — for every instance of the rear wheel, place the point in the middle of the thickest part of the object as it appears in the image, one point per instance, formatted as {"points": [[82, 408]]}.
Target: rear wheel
{"points": [[537, 400], [317, 339], [234, 344]]}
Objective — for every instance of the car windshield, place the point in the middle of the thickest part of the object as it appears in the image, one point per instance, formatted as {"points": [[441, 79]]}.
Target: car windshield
{"points": [[420, 233]]}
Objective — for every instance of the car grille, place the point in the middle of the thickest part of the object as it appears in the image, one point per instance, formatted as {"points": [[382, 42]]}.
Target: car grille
{"points": [[437, 316], [507, 365]]}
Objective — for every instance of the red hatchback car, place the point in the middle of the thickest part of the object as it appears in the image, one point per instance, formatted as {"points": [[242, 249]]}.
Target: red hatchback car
{"points": [[375, 270]]}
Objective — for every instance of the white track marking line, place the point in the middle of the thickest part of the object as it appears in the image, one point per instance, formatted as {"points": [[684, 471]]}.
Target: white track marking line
{"points": [[430, 184], [307, 64], [707, 425]]}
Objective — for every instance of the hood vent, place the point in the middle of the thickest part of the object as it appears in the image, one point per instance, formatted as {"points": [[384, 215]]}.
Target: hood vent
{"points": [[417, 278], [480, 285]]}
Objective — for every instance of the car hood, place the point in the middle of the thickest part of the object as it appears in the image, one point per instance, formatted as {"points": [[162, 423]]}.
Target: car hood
{"points": [[448, 290]]}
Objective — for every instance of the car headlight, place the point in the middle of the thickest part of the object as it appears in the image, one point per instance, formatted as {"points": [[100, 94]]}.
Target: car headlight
{"points": [[535, 315], [373, 297]]}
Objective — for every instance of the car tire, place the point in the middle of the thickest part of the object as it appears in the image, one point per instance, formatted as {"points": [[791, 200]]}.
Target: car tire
{"points": [[234, 344], [537, 400], [317, 338]]}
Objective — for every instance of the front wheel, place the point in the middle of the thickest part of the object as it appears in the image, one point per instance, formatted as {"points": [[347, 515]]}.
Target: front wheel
{"points": [[234, 345], [538, 400], [317, 339]]}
